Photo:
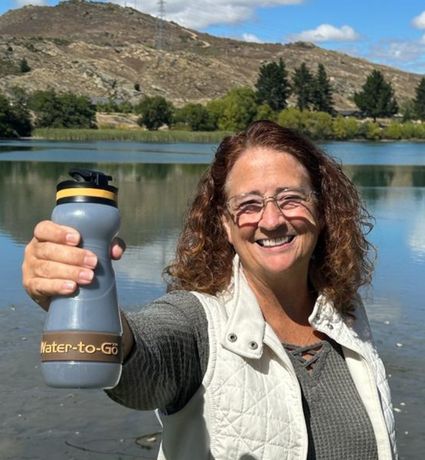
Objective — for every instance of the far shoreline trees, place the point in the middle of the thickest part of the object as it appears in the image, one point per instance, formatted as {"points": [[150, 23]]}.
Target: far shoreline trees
{"points": [[377, 97], [273, 97], [14, 119], [272, 85], [419, 101]]}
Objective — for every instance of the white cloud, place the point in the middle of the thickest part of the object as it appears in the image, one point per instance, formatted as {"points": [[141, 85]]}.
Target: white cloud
{"points": [[419, 21], [203, 13], [196, 14], [251, 38], [395, 51], [325, 33], [21, 3]]}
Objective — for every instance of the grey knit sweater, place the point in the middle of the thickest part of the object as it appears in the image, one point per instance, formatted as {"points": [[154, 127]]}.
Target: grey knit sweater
{"points": [[170, 357]]}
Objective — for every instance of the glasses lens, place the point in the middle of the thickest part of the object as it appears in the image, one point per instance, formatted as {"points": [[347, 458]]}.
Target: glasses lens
{"points": [[291, 202], [248, 208]]}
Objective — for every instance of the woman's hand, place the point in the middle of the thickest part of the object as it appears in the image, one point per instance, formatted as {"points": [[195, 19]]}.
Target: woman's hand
{"points": [[54, 265]]}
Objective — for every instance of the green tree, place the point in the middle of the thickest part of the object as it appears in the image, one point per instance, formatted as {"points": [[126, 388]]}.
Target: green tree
{"points": [[292, 118], [302, 86], [14, 119], [196, 116], [408, 109], [24, 66], [215, 108], [77, 111], [236, 110], [322, 91], [319, 125], [264, 112], [272, 85], [46, 108], [62, 111], [154, 112], [377, 97], [419, 100]]}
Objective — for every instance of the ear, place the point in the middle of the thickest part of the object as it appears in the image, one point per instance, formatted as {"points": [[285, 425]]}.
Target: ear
{"points": [[227, 225]]}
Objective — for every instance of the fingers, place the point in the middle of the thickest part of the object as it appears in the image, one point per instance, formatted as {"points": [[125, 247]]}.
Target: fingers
{"points": [[118, 248], [41, 290], [60, 253], [54, 233], [53, 265]]}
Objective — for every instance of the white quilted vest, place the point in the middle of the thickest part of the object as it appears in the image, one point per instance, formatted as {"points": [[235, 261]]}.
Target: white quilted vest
{"points": [[249, 406]]}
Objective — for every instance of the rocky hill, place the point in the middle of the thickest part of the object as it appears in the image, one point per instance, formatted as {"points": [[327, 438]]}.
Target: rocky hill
{"points": [[106, 51]]}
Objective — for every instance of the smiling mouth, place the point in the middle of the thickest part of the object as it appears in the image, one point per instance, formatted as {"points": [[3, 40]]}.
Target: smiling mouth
{"points": [[273, 242]]}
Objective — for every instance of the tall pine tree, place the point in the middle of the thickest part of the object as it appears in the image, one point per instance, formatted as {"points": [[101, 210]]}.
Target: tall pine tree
{"points": [[322, 91], [272, 85], [419, 101], [302, 86], [377, 97]]}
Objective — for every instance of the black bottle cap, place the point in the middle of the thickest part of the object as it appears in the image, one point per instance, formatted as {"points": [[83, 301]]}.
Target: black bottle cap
{"points": [[88, 186]]}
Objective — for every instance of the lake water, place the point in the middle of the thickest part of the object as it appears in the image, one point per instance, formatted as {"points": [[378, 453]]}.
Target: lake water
{"points": [[156, 182]]}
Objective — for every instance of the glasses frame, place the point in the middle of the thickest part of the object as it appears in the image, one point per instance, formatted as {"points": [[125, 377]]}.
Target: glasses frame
{"points": [[266, 199]]}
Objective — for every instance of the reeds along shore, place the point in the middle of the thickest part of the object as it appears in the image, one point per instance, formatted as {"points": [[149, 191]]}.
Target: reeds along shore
{"points": [[342, 129], [136, 135]]}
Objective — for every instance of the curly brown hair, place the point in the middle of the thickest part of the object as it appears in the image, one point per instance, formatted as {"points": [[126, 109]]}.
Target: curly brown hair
{"points": [[342, 260]]}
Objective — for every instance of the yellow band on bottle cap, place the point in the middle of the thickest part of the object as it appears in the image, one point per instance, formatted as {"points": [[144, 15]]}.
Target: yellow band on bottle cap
{"points": [[80, 191]]}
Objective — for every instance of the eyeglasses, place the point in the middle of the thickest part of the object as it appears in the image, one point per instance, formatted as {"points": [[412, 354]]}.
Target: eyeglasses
{"points": [[248, 208]]}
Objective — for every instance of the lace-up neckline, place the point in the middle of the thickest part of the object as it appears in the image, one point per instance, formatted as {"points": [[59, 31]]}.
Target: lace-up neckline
{"points": [[309, 357]]}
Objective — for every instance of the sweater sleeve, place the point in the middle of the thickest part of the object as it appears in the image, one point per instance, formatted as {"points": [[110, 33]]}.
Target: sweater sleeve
{"points": [[169, 357]]}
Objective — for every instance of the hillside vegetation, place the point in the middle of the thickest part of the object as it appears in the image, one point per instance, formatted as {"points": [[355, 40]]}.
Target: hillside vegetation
{"points": [[106, 51]]}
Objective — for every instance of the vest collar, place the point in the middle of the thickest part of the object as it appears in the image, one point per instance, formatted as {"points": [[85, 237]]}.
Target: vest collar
{"points": [[246, 330]]}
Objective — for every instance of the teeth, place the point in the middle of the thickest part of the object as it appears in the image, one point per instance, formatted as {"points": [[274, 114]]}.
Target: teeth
{"points": [[269, 243]]}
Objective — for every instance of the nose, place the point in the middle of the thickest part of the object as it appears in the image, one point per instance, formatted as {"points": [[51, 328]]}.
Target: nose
{"points": [[272, 216]]}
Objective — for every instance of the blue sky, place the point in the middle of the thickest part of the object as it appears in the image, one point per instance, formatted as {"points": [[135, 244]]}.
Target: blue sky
{"points": [[390, 32]]}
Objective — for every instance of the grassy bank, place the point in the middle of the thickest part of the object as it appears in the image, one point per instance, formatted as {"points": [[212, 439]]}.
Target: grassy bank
{"points": [[128, 135], [317, 126]]}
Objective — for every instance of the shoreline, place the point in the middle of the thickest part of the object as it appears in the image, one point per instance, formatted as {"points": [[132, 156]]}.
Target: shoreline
{"points": [[167, 137]]}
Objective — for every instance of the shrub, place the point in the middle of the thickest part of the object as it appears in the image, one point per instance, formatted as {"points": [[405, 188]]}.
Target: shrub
{"points": [[345, 128], [62, 110], [14, 120], [197, 117], [154, 112]]}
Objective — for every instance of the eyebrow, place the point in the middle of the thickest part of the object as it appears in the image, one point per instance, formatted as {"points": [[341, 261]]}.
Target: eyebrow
{"points": [[278, 190]]}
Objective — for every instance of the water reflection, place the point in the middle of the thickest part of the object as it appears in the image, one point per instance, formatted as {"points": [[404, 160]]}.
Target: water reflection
{"points": [[386, 175], [103, 152], [152, 200]]}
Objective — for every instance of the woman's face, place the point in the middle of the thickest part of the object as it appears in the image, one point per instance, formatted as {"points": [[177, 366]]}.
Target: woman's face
{"points": [[282, 242]]}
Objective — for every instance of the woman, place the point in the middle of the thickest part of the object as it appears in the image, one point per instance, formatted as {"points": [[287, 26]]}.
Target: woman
{"points": [[261, 349]]}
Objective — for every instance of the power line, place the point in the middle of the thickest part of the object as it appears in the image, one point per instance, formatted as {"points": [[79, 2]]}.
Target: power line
{"points": [[159, 29]]}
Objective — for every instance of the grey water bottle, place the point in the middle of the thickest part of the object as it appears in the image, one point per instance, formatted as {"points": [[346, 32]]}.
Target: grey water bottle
{"points": [[81, 343]]}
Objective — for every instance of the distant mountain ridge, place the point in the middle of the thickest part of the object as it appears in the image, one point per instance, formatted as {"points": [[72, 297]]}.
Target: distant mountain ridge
{"points": [[103, 50]]}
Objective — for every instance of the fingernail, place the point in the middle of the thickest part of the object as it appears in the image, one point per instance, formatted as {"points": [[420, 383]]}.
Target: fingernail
{"points": [[72, 238], [68, 286], [90, 261], [85, 276]]}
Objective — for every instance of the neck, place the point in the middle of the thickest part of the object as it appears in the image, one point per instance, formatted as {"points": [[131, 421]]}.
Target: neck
{"points": [[294, 297], [286, 307]]}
